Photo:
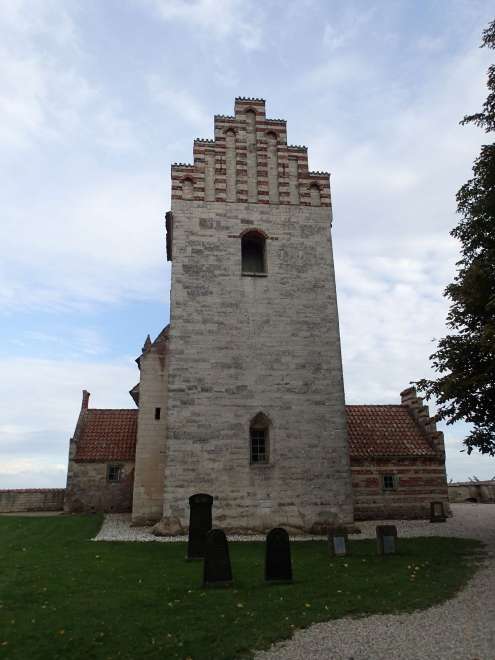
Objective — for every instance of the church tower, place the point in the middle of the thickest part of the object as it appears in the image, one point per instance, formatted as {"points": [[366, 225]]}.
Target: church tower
{"points": [[255, 414]]}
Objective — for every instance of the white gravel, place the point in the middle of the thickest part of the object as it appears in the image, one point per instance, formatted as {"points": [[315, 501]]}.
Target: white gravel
{"points": [[463, 628], [117, 527]]}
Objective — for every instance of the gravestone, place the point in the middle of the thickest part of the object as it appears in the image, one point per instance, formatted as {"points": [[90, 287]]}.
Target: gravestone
{"points": [[199, 524], [437, 512], [386, 539], [338, 543], [216, 567], [278, 565]]}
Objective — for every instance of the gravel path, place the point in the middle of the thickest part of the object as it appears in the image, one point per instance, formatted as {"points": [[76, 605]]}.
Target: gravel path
{"points": [[463, 628]]}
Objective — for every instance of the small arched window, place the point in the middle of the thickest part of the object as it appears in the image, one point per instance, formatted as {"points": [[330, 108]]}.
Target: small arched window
{"points": [[259, 440], [253, 253]]}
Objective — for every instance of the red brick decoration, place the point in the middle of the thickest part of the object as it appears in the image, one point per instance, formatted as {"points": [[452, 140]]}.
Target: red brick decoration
{"points": [[107, 435], [213, 153]]}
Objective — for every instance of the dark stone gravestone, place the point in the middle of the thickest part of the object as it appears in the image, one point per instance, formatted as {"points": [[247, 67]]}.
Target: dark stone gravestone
{"points": [[338, 543], [199, 524], [217, 571], [386, 539], [437, 512], [278, 565]]}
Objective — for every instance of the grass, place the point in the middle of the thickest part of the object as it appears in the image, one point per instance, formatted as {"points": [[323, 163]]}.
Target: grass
{"points": [[63, 596]]}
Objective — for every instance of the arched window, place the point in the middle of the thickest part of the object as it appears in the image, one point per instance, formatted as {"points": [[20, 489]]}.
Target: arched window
{"points": [[253, 253], [259, 439]]}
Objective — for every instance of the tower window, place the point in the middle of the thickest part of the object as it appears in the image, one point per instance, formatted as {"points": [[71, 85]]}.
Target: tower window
{"points": [[253, 253], [259, 440], [158, 412]]}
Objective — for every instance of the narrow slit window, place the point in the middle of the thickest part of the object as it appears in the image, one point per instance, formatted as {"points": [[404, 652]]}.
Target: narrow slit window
{"points": [[158, 412], [253, 253]]}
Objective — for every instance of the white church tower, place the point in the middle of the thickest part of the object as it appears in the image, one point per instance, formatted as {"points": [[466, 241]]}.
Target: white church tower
{"points": [[255, 410]]}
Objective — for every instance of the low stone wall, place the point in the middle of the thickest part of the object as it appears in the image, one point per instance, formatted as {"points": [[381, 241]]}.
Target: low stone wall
{"points": [[417, 483], [476, 491], [31, 499]]}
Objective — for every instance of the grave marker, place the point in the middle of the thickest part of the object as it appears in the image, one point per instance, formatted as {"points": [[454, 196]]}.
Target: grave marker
{"points": [[437, 512], [338, 542], [386, 539], [217, 570], [199, 524], [278, 565]]}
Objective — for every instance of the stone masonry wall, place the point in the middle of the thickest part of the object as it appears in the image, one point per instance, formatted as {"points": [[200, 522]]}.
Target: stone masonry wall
{"points": [[151, 438], [31, 499], [240, 345], [89, 489], [418, 482]]}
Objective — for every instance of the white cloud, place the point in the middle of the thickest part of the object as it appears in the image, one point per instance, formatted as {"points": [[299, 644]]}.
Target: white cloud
{"points": [[100, 242], [179, 103], [220, 19], [44, 93], [41, 400]]}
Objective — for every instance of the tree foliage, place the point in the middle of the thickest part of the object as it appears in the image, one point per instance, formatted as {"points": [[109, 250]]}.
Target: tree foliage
{"points": [[465, 360]]}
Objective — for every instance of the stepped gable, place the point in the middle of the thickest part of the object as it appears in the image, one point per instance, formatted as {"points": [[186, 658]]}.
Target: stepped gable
{"points": [[107, 435], [385, 431], [249, 160]]}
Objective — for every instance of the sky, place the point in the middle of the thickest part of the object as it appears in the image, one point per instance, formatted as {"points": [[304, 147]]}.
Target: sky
{"points": [[97, 99]]}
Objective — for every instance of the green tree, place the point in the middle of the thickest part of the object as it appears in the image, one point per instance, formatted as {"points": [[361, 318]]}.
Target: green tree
{"points": [[465, 360]]}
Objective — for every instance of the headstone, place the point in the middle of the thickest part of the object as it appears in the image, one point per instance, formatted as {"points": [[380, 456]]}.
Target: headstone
{"points": [[386, 539], [278, 565], [437, 512], [216, 567], [199, 524], [338, 543]]}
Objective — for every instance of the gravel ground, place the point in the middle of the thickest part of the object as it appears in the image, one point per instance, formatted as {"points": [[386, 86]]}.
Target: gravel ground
{"points": [[463, 628]]}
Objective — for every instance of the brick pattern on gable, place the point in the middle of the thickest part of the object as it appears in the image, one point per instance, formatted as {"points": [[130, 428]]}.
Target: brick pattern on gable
{"points": [[213, 165]]}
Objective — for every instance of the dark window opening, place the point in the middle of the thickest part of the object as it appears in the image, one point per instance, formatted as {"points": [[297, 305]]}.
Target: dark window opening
{"points": [[158, 412], [253, 253], [258, 446], [114, 472], [388, 482]]}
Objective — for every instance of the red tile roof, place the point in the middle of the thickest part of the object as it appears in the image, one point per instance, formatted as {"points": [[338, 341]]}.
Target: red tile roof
{"points": [[110, 435], [385, 431], [107, 435]]}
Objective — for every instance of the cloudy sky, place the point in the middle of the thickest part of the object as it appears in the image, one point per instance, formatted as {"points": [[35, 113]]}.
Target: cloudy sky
{"points": [[98, 98]]}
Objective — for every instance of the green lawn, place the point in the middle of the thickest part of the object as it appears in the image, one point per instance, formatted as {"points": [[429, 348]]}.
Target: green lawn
{"points": [[62, 596]]}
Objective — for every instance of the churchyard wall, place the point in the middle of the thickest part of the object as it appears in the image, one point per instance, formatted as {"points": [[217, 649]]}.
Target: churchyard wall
{"points": [[476, 491], [417, 482], [31, 499]]}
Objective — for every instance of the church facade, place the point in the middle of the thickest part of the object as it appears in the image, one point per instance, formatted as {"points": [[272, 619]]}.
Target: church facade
{"points": [[242, 395]]}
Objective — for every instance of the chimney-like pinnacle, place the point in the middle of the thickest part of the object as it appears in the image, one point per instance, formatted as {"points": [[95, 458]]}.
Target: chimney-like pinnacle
{"points": [[85, 400]]}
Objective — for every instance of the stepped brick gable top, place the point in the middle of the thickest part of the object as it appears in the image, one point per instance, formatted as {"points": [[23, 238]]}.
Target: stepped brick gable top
{"points": [[388, 430], [249, 160], [107, 435]]}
